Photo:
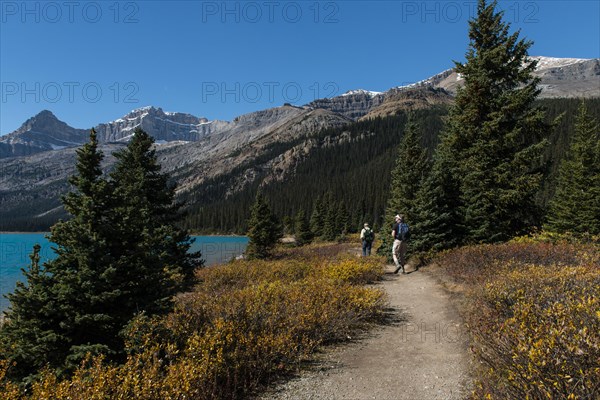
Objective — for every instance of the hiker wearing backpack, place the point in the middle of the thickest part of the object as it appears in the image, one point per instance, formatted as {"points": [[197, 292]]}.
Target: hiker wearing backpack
{"points": [[367, 236], [401, 234]]}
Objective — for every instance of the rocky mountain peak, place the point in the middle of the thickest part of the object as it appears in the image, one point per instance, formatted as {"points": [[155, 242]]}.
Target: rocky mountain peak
{"points": [[43, 121], [163, 126], [560, 77], [555, 62], [353, 104], [42, 132]]}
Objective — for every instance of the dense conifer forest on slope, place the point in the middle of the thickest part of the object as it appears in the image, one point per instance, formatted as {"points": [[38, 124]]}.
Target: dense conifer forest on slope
{"points": [[356, 171]]}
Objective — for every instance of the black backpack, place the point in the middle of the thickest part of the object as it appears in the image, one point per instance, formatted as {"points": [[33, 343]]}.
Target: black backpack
{"points": [[369, 235]]}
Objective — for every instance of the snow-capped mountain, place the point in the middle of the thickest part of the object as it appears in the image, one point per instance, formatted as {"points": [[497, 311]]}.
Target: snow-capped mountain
{"points": [[194, 151], [560, 77], [45, 132], [163, 126], [361, 91]]}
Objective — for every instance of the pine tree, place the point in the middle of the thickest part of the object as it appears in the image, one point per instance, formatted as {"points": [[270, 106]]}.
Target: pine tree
{"points": [[288, 225], [77, 283], [330, 223], [317, 217], [302, 229], [154, 259], [263, 229], [28, 338], [575, 207], [438, 221], [120, 254], [411, 168], [343, 218], [495, 132]]}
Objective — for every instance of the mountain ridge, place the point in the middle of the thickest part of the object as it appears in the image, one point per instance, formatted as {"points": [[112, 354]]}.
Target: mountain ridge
{"points": [[561, 77], [213, 160], [294, 161]]}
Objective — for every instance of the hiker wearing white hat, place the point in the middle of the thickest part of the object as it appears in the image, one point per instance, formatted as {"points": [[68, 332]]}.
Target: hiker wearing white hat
{"points": [[401, 234], [367, 236]]}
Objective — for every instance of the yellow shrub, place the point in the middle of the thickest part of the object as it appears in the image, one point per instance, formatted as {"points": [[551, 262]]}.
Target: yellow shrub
{"points": [[355, 270], [8, 390], [245, 324], [538, 330]]}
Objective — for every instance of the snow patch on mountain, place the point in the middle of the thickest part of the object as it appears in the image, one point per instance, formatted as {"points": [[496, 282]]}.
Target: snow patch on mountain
{"points": [[554, 62], [361, 91]]}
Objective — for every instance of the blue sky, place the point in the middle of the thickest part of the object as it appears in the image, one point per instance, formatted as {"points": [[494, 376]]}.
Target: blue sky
{"points": [[94, 61]]}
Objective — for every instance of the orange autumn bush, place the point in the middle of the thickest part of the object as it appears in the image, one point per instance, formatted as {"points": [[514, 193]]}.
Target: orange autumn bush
{"points": [[247, 323], [533, 316]]}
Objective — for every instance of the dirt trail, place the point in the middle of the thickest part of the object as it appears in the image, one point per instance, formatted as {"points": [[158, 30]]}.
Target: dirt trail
{"points": [[422, 354]]}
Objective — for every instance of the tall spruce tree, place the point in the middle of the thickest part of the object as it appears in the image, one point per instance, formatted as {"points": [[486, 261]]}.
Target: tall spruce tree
{"points": [[410, 170], [120, 254], [29, 338], [575, 207], [263, 229], [78, 283], [302, 229], [437, 223], [343, 218], [154, 260], [495, 132], [317, 218], [330, 222]]}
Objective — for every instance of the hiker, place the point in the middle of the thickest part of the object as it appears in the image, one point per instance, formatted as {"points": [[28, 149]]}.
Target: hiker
{"points": [[367, 236], [401, 234]]}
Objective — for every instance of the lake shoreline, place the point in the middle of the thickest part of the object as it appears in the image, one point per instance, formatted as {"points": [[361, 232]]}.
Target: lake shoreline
{"points": [[22, 233], [17, 247], [47, 232]]}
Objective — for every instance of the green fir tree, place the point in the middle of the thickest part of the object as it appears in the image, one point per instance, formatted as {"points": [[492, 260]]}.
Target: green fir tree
{"points": [[411, 168], [575, 207], [78, 282], [302, 229], [343, 218], [29, 337], [331, 223], [437, 222], [155, 260], [495, 132], [317, 218], [119, 255], [263, 229]]}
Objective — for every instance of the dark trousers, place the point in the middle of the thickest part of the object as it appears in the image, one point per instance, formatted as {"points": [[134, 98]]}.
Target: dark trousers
{"points": [[366, 248]]}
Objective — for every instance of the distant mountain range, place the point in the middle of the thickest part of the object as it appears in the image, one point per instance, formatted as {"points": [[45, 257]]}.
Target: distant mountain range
{"points": [[37, 158], [560, 77]]}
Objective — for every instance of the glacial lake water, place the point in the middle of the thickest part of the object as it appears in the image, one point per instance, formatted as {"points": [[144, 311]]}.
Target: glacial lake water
{"points": [[15, 249]]}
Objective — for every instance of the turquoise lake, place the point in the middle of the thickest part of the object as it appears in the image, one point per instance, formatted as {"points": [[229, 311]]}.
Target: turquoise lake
{"points": [[16, 247]]}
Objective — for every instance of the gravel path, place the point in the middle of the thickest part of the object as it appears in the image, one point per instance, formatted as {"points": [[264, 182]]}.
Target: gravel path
{"points": [[421, 355]]}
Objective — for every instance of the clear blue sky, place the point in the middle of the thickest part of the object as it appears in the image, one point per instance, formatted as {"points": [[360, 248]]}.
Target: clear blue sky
{"points": [[94, 61]]}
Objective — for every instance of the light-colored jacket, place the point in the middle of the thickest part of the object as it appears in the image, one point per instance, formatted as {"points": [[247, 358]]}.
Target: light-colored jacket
{"points": [[362, 233]]}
